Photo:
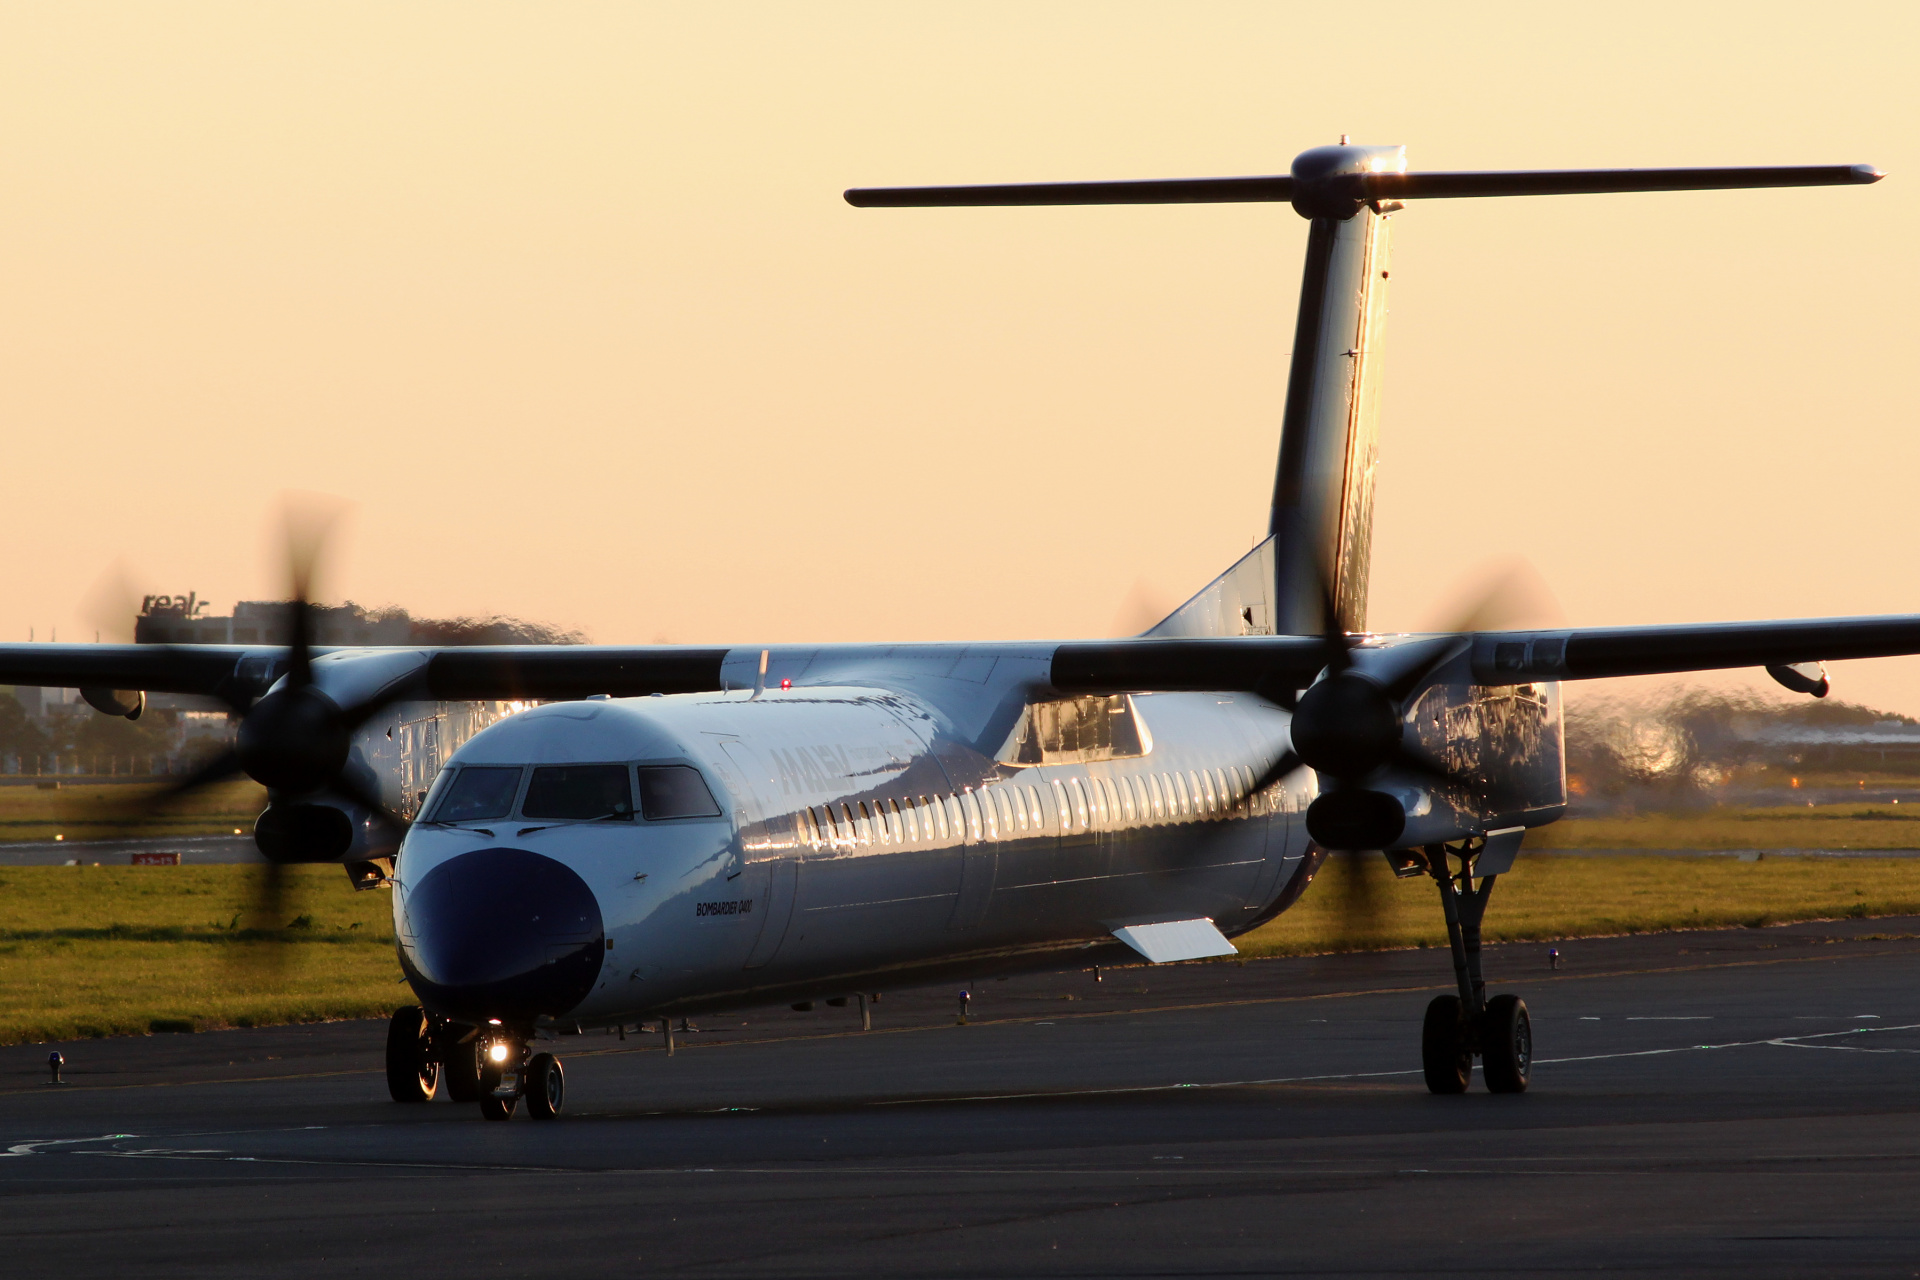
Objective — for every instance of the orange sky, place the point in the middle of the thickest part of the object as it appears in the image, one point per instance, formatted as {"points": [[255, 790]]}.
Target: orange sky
{"points": [[565, 300]]}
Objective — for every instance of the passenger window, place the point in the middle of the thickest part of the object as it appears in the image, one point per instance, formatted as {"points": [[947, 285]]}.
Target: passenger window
{"points": [[1153, 796], [954, 820], [912, 818], [939, 816], [870, 828], [477, 793], [1011, 813], [1126, 800], [1113, 800], [1205, 783], [1079, 794], [1180, 794], [970, 806], [580, 792], [674, 791], [1033, 809]]}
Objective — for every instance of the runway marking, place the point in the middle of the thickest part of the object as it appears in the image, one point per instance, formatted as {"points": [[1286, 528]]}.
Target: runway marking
{"points": [[1784, 1042], [33, 1148]]}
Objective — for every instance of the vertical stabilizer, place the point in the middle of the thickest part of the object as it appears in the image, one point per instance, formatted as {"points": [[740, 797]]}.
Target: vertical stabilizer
{"points": [[1322, 523], [1321, 535]]}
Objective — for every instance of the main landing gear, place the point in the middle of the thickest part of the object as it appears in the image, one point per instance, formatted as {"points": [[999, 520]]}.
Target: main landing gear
{"points": [[486, 1065], [1461, 1027]]}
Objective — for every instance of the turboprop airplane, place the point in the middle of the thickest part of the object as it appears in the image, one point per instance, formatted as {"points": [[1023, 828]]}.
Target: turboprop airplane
{"points": [[678, 830]]}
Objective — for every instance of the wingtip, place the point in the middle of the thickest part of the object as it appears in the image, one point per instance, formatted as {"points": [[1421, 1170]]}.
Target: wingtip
{"points": [[1868, 173]]}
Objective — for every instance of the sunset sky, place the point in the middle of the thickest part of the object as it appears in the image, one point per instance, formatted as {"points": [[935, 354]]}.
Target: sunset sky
{"points": [[565, 301]]}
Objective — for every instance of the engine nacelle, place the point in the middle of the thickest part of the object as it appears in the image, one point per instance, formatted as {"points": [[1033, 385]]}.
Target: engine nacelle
{"points": [[116, 702], [288, 833]]}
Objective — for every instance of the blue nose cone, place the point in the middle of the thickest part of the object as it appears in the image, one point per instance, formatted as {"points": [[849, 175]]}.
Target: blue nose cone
{"points": [[501, 933]]}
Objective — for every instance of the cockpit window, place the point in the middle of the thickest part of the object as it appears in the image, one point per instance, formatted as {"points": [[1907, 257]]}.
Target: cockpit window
{"points": [[675, 791], [477, 793], [579, 791]]}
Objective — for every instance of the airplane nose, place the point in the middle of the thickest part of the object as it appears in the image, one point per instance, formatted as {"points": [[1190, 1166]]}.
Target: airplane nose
{"points": [[501, 933]]}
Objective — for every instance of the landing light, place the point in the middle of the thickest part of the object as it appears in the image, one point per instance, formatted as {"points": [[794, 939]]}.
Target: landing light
{"points": [[498, 1053]]}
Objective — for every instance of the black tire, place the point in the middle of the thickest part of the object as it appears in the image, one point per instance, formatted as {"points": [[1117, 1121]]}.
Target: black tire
{"points": [[460, 1071], [412, 1074], [546, 1087], [1445, 1056], [492, 1108], [1506, 1045]]}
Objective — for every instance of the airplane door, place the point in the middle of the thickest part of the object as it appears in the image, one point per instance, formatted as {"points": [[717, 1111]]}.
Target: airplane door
{"points": [[980, 863], [774, 881], [781, 881]]}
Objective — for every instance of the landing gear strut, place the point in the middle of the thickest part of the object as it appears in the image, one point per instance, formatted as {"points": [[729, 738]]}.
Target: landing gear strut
{"points": [[1459, 1028]]}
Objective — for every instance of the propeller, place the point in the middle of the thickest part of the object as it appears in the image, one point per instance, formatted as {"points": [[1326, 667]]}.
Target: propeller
{"points": [[296, 740], [1351, 722]]}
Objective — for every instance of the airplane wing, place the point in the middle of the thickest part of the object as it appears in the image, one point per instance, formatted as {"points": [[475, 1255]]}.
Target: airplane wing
{"points": [[1497, 657], [237, 674]]}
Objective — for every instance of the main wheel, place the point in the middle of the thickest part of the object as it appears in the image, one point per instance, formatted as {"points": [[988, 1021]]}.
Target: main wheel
{"points": [[412, 1075], [460, 1069], [1445, 1056], [1506, 1045], [546, 1087]]}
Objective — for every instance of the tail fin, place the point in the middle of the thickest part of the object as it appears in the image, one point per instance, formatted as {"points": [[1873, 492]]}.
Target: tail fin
{"points": [[1320, 539]]}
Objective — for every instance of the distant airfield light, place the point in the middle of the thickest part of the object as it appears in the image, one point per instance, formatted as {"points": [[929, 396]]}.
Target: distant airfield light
{"points": [[58, 837]]}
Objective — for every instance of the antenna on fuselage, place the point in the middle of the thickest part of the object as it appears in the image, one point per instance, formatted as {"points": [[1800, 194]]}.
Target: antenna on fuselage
{"points": [[1322, 519]]}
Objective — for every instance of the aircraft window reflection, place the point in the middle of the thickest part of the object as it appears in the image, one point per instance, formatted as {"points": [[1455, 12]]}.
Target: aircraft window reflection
{"points": [[1034, 816], [1082, 817], [478, 793], [579, 791], [1008, 820], [675, 791]]}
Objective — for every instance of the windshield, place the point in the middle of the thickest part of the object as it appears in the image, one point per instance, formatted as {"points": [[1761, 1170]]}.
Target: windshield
{"points": [[675, 791], [478, 793], [579, 791]]}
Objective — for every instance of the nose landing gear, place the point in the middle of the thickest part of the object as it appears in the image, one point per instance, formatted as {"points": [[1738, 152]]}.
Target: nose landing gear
{"points": [[508, 1074], [488, 1065], [1459, 1028]]}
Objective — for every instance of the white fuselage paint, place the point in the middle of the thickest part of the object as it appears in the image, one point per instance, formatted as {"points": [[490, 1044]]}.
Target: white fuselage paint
{"points": [[935, 856]]}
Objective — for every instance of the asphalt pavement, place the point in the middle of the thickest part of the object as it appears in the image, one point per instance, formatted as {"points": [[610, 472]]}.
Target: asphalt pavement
{"points": [[1740, 1102]]}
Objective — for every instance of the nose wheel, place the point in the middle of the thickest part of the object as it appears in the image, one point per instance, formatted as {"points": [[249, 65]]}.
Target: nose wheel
{"points": [[1459, 1028], [508, 1075]]}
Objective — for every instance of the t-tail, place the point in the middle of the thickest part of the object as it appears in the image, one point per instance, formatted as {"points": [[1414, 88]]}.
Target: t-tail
{"points": [[1320, 534]]}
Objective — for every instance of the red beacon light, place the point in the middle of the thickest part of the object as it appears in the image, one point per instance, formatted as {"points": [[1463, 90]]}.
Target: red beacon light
{"points": [[786, 684]]}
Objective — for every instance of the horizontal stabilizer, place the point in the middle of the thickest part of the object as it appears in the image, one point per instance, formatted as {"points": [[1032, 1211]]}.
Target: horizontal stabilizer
{"points": [[1176, 940], [1282, 188]]}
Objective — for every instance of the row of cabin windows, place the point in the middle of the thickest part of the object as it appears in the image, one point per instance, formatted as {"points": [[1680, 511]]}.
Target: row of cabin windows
{"points": [[1007, 812]]}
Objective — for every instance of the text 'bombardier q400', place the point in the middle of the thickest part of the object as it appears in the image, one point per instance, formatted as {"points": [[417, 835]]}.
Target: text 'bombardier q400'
{"points": [[679, 830]]}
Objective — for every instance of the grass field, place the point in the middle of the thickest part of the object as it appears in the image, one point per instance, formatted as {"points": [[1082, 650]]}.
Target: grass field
{"points": [[113, 812], [88, 951], [1547, 897], [1832, 826]]}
